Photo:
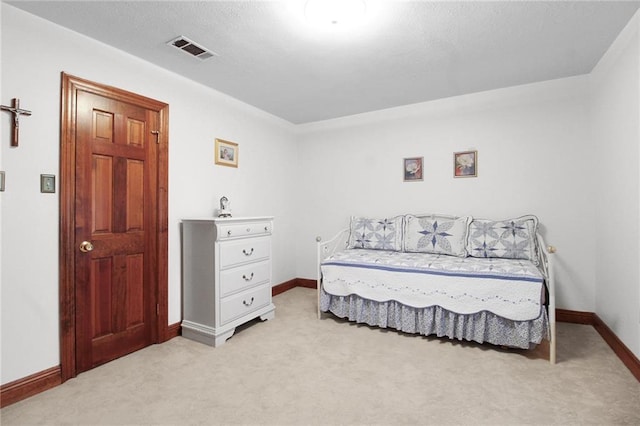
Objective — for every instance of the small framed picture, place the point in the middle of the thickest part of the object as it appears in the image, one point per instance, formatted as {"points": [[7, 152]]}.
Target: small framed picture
{"points": [[465, 164], [48, 184], [412, 169], [226, 153], [1, 181]]}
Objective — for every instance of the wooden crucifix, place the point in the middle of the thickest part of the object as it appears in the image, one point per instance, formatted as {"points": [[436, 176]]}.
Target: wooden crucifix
{"points": [[17, 112]]}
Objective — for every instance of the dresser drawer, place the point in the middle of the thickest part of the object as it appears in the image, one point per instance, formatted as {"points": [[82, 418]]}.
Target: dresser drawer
{"points": [[230, 231], [233, 280], [244, 303], [244, 251]]}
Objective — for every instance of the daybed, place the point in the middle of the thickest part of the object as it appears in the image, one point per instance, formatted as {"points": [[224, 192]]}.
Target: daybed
{"points": [[468, 279]]}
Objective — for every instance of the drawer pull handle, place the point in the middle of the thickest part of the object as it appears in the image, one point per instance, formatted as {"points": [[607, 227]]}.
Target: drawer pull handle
{"points": [[248, 229], [229, 232], [266, 229], [247, 279], [246, 253], [244, 302]]}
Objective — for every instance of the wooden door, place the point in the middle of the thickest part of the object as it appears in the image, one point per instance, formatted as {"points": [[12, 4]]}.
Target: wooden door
{"points": [[119, 232]]}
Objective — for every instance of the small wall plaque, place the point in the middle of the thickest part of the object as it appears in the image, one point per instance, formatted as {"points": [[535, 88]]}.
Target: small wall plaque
{"points": [[48, 184]]}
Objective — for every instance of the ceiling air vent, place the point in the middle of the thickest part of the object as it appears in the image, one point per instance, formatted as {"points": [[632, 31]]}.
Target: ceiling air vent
{"points": [[191, 48]]}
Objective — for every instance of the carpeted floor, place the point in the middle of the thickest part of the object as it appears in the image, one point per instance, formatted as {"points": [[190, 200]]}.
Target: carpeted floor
{"points": [[297, 369]]}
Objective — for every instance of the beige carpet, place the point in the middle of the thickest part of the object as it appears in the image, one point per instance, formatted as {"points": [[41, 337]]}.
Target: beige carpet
{"points": [[296, 369]]}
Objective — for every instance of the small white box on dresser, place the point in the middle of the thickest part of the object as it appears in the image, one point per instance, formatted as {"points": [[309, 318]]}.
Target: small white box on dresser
{"points": [[226, 273]]}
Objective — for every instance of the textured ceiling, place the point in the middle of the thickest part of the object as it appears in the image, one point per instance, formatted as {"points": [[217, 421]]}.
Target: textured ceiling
{"points": [[403, 52]]}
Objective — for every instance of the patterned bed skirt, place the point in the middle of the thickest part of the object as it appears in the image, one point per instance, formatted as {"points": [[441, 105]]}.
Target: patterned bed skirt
{"points": [[482, 327]]}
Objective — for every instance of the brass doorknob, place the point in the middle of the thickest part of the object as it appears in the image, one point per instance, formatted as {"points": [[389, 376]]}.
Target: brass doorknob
{"points": [[86, 246]]}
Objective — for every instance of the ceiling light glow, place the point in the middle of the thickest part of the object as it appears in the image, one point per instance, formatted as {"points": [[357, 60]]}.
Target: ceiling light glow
{"points": [[334, 12]]}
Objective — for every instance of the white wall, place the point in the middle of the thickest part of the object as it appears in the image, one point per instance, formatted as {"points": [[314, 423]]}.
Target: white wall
{"points": [[616, 117], [34, 52], [537, 154], [534, 156]]}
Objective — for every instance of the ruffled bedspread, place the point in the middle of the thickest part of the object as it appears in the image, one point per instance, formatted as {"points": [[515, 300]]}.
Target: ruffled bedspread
{"points": [[507, 288], [480, 327]]}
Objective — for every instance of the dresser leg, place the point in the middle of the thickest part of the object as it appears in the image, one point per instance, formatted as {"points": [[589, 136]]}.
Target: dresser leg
{"points": [[268, 316], [222, 337]]}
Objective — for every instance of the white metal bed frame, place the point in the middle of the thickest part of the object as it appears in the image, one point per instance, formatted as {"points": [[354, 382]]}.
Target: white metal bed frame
{"points": [[339, 243]]}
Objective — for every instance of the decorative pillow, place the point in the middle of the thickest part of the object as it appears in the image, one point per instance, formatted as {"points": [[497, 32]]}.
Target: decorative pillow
{"points": [[511, 238], [378, 234], [436, 234]]}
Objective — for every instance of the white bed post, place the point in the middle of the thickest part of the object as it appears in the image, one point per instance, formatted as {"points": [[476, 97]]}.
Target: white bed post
{"points": [[326, 249], [552, 305], [318, 272], [548, 263]]}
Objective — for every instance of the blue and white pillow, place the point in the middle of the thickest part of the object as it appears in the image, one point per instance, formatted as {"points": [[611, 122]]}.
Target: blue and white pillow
{"points": [[510, 239], [377, 234], [436, 234]]}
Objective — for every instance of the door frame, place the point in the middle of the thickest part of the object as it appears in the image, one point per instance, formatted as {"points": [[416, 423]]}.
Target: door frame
{"points": [[160, 329]]}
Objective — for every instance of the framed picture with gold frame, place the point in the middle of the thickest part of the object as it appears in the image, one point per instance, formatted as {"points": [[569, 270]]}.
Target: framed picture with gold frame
{"points": [[226, 153]]}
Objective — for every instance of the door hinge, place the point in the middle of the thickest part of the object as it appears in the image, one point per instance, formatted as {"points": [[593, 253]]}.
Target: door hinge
{"points": [[157, 133]]}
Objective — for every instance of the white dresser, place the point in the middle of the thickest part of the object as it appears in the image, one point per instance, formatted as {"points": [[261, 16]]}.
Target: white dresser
{"points": [[226, 264]]}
